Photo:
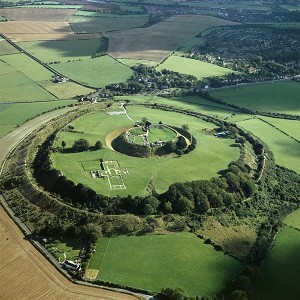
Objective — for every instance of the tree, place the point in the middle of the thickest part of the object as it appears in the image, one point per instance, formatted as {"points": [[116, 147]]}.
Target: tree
{"points": [[185, 127], [240, 140], [172, 294], [181, 142], [98, 145], [91, 232], [81, 145], [63, 144], [183, 205]]}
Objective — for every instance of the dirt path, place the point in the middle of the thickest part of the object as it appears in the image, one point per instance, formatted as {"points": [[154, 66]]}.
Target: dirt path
{"points": [[26, 273]]}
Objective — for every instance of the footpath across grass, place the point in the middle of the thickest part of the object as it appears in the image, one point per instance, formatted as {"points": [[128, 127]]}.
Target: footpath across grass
{"points": [[153, 262]]}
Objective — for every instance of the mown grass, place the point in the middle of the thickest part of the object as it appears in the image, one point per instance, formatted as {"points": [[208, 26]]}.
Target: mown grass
{"points": [[195, 103], [193, 67], [285, 149], [96, 72], [87, 24], [277, 97], [12, 115], [50, 51], [281, 271], [153, 262], [210, 156], [67, 248]]}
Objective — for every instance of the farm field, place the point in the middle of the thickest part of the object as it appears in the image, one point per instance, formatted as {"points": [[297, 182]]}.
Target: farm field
{"points": [[40, 30], [203, 163], [293, 219], [277, 97], [50, 51], [94, 24], [155, 261], [13, 115], [131, 8], [15, 86], [66, 90], [134, 62], [28, 273], [37, 14], [193, 67], [95, 72], [32, 27], [54, 4], [291, 127], [280, 273], [155, 42], [285, 149], [28, 67], [6, 48]]}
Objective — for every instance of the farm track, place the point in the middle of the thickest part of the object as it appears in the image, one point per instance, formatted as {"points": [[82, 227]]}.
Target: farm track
{"points": [[26, 273]]}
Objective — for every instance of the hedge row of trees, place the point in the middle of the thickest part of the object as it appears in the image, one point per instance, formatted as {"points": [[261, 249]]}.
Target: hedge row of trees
{"points": [[181, 198]]}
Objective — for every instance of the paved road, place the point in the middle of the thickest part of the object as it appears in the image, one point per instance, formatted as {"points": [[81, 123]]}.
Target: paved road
{"points": [[12, 139], [26, 273]]}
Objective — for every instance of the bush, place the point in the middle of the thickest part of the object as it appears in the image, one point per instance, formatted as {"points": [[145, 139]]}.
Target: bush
{"points": [[81, 145]]}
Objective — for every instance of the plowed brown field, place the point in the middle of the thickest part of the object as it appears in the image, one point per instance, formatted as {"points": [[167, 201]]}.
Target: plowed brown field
{"points": [[28, 37], [40, 31], [34, 27], [37, 14], [155, 42], [26, 274]]}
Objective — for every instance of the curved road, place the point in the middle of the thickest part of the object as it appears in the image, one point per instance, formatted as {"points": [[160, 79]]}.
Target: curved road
{"points": [[25, 272]]}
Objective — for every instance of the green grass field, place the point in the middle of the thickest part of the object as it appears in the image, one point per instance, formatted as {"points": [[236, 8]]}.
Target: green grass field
{"points": [[16, 86], [293, 219], [58, 6], [194, 103], [88, 24], [131, 8], [278, 97], [96, 72], [211, 155], [285, 149], [66, 90], [193, 67], [155, 133], [28, 67], [153, 262], [12, 115], [69, 249], [50, 51], [291, 127], [6, 48], [281, 272]]}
